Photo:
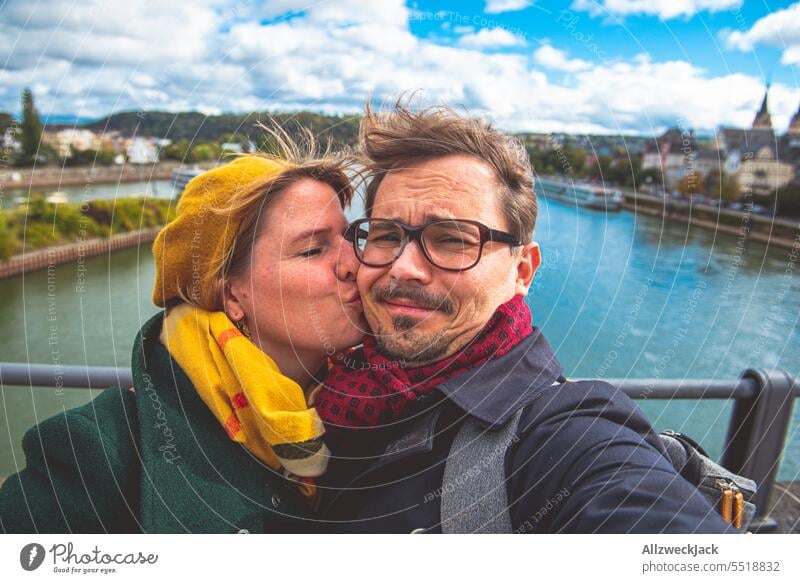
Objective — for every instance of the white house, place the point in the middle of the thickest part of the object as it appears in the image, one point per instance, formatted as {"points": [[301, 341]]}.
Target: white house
{"points": [[142, 151]]}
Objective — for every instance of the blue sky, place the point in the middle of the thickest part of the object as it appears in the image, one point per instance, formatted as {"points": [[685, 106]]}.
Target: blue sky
{"points": [[696, 39], [599, 66]]}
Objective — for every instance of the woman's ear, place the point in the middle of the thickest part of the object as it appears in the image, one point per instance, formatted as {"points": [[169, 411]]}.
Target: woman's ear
{"points": [[529, 260], [234, 308]]}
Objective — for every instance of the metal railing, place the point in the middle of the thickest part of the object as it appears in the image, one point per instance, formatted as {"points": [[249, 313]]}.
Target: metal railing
{"points": [[756, 434]]}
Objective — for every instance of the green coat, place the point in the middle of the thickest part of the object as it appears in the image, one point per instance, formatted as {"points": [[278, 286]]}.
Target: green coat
{"points": [[153, 460]]}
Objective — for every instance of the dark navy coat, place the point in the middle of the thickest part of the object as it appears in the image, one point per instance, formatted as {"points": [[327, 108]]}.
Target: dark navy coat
{"points": [[585, 459]]}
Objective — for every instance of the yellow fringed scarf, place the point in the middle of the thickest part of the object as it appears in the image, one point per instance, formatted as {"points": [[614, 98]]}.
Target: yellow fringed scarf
{"points": [[243, 387]]}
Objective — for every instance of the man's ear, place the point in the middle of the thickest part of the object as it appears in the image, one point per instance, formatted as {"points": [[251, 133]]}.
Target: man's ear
{"points": [[529, 260], [234, 307]]}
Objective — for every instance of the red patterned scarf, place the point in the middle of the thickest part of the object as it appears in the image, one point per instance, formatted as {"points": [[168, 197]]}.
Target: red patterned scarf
{"points": [[366, 389]]}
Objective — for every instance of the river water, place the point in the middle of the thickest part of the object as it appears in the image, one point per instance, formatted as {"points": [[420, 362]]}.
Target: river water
{"points": [[618, 295]]}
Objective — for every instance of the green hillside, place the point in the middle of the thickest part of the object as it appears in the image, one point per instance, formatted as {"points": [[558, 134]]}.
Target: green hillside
{"points": [[198, 127]]}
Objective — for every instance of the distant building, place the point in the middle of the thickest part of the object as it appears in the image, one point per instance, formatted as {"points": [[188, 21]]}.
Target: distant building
{"points": [[734, 139], [761, 161], [674, 154], [66, 140], [758, 170], [794, 124], [8, 141], [537, 141], [142, 151], [759, 134], [763, 120], [790, 146], [708, 161]]}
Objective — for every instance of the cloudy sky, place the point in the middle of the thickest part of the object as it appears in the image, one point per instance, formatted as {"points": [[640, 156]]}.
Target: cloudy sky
{"points": [[633, 66]]}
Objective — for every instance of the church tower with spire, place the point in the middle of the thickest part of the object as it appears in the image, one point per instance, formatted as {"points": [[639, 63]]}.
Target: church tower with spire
{"points": [[763, 121], [794, 125]]}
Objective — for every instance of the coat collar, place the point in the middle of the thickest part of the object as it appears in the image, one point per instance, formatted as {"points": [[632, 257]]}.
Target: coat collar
{"points": [[490, 393], [496, 390], [194, 478]]}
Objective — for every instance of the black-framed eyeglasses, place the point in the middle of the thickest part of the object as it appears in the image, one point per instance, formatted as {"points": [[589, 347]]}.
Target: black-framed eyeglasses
{"points": [[450, 244]]}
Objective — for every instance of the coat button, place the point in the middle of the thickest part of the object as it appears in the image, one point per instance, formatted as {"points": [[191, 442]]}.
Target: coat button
{"points": [[243, 531], [276, 500]]}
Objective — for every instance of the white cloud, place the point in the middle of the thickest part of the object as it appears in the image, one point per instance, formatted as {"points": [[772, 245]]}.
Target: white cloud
{"points": [[487, 38], [664, 9], [779, 29], [498, 6], [553, 58], [651, 94], [114, 31], [791, 56], [329, 58]]}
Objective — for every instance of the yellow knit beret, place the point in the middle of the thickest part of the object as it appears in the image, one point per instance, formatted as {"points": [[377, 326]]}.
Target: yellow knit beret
{"points": [[198, 238]]}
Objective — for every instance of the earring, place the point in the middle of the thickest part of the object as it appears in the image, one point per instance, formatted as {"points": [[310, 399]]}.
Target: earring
{"points": [[242, 326]]}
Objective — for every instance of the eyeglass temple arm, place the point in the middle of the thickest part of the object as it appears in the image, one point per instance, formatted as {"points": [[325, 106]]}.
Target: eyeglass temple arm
{"points": [[350, 233], [503, 237]]}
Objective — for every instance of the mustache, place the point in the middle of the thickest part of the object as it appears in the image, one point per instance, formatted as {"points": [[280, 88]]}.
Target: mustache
{"points": [[418, 295]]}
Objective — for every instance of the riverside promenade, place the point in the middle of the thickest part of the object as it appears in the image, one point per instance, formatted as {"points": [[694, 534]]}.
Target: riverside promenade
{"points": [[56, 176], [74, 252], [773, 231], [766, 229]]}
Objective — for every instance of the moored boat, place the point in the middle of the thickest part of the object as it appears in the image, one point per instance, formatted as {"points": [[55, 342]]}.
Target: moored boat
{"points": [[182, 176], [585, 194]]}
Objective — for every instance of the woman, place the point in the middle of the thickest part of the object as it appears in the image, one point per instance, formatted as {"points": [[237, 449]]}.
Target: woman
{"points": [[216, 434]]}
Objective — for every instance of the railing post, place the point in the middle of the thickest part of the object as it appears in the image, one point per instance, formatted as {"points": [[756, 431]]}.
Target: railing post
{"points": [[757, 434]]}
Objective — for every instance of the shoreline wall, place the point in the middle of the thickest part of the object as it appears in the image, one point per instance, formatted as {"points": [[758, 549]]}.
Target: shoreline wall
{"points": [[74, 252], [767, 230]]}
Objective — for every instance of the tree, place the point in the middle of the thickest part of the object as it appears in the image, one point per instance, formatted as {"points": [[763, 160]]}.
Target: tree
{"points": [[90, 157], [623, 170], [720, 184], [601, 169], [30, 129], [691, 184], [176, 151], [565, 160], [576, 158], [6, 122], [788, 201], [80, 157], [204, 152], [648, 177], [105, 156], [7, 245]]}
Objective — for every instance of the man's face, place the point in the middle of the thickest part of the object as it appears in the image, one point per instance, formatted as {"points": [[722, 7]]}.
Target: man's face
{"points": [[421, 313]]}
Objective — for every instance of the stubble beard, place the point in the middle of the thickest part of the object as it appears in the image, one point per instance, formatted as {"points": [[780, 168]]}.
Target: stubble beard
{"points": [[403, 343]]}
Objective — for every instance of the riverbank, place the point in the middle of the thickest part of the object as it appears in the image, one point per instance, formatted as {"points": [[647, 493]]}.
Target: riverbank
{"points": [[74, 252], [40, 225], [772, 231], [89, 176], [769, 230]]}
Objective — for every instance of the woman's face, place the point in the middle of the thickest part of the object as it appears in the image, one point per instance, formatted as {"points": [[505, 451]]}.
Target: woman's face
{"points": [[298, 294]]}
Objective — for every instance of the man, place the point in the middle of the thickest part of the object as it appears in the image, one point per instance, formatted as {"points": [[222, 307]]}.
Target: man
{"points": [[447, 259]]}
